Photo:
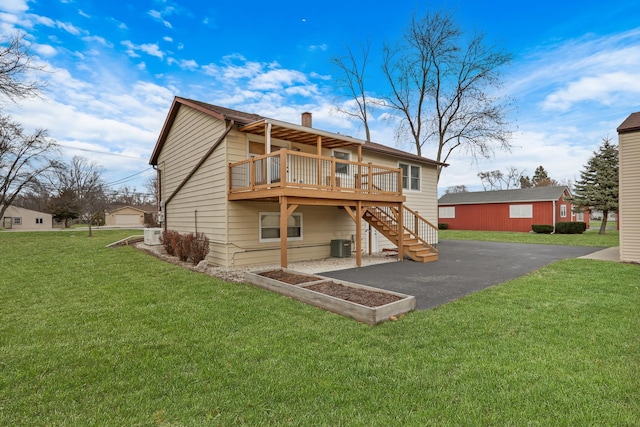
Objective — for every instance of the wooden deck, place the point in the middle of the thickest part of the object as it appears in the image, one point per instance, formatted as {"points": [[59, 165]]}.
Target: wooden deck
{"points": [[302, 175]]}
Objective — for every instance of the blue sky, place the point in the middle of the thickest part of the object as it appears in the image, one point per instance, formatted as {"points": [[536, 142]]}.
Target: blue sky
{"points": [[114, 68]]}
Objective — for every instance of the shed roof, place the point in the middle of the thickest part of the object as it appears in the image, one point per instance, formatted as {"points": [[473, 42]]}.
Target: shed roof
{"points": [[535, 194], [631, 123]]}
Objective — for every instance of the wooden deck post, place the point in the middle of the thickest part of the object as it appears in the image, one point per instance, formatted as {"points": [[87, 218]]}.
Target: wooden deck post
{"points": [[400, 233], [283, 231], [359, 233]]}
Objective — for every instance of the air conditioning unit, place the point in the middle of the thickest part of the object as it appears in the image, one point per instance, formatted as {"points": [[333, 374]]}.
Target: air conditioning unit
{"points": [[152, 236]]}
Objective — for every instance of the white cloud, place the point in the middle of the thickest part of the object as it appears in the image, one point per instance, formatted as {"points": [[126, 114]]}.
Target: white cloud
{"points": [[14, 6], [44, 49], [323, 47], [152, 49], [148, 48], [277, 79], [604, 89], [157, 15]]}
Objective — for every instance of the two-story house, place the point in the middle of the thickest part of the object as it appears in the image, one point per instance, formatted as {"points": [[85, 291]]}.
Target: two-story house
{"points": [[267, 191]]}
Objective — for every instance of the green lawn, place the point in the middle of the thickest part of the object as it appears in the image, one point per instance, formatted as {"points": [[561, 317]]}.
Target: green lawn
{"points": [[588, 238], [98, 337]]}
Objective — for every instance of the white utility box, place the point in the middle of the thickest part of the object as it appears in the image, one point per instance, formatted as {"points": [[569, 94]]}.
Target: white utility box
{"points": [[152, 236]]}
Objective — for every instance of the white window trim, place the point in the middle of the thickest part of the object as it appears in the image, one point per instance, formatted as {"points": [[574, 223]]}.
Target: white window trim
{"points": [[17, 220], [410, 167], [277, 239], [563, 211], [447, 212], [520, 211]]}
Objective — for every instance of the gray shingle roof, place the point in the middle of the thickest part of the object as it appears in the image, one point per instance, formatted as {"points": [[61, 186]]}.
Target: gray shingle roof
{"points": [[536, 194]]}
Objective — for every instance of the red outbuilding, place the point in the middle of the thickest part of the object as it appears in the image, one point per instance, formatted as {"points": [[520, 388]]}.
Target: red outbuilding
{"points": [[507, 210]]}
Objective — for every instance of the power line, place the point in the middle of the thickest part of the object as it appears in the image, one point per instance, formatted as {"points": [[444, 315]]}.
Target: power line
{"points": [[106, 153], [127, 178]]}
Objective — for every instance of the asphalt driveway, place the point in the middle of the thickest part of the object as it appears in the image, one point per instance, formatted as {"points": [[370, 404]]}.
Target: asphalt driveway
{"points": [[464, 267]]}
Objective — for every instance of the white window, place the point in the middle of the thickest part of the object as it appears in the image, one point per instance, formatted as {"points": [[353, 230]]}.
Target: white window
{"points": [[270, 226], [39, 221], [447, 212], [563, 211], [410, 177], [520, 211], [342, 168], [17, 221]]}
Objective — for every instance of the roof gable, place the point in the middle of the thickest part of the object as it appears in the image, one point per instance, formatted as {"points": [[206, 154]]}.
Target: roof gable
{"points": [[631, 124], [535, 194]]}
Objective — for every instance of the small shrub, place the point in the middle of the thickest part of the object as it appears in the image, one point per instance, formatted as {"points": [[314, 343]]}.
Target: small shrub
{"points": [[187, 247], [443, 226], [542, 228], [169, 239], [199, 248], [183, 246], [577, 227]]}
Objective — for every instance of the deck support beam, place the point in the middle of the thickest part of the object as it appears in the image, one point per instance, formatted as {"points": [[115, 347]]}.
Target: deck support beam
{"points": [[359, 233]]}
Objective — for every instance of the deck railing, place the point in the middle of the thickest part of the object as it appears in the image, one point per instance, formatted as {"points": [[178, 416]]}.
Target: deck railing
{"points": [[285, 168], [417, 227]]}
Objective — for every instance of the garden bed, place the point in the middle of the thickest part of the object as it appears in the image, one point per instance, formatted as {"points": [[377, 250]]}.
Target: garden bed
{"points": [[363, 303]]}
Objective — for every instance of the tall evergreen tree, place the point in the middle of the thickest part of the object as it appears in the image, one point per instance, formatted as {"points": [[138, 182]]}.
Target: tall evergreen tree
{"points": [[541, 178], [597, 187]]}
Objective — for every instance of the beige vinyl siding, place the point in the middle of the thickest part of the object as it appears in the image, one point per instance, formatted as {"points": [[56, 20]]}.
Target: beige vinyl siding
{"points": [[320, 225], [202, 201], [629, 194]]}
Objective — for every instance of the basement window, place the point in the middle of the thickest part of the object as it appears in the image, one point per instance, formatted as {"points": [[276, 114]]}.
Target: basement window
{"points": [[270, 227]]}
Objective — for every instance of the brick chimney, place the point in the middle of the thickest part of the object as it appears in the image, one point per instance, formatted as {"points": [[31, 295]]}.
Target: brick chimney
{"points": [[306, 119]]}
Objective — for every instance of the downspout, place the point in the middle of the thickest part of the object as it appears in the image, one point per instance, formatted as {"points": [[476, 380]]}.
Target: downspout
{"points": [[554, 217], [196, 167]]}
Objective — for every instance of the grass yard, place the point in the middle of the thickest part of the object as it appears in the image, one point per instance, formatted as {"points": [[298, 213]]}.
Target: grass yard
{"points": [[92, 337], [588, 238]]}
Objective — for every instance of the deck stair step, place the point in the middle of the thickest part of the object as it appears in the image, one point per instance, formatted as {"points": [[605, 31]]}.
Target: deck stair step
{"points": [[414, 244]]}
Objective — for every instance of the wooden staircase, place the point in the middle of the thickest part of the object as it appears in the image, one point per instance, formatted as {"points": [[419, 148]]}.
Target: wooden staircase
{"points": [[417, 232]]}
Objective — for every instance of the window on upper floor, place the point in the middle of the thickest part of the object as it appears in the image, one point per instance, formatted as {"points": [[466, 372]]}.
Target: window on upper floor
{"points": [[410, 177]]}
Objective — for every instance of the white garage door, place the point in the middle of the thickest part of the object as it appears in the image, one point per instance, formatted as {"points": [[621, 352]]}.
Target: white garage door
{"points": [[127, 219]]}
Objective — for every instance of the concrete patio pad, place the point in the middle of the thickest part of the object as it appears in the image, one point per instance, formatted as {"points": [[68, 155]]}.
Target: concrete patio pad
{"points": [[464, 267]]}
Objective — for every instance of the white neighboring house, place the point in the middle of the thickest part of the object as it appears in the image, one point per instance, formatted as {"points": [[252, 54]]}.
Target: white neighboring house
{"points": [[16, 218]]}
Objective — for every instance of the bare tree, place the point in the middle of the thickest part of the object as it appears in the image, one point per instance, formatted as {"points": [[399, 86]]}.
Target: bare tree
{"points": [[456, 189], [352, 82], [151, 185], [441, 87], [15, 64], [498, 180], [84, 180], [24, 158]]}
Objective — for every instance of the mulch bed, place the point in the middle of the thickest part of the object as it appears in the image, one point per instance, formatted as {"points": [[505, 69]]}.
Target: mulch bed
{"points": [[359, 296], [290, 278]]}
